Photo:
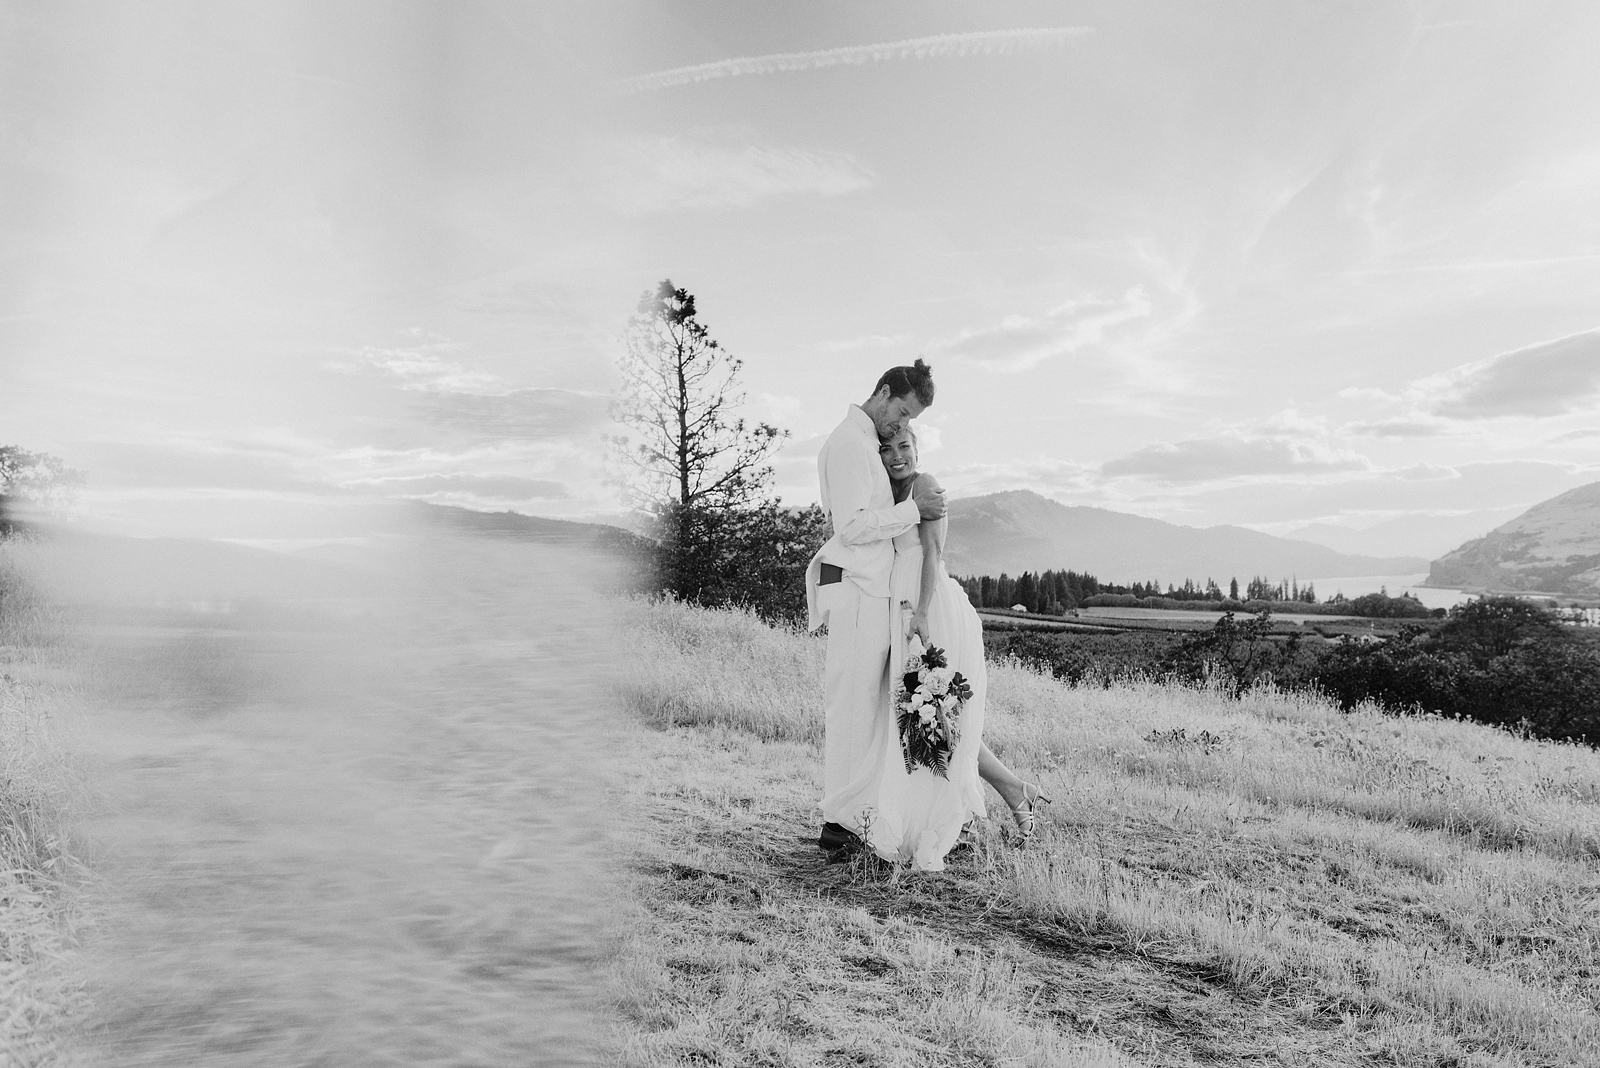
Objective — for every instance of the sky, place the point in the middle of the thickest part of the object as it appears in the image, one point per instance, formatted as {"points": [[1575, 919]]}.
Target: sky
{"points": [[1257, 263]]}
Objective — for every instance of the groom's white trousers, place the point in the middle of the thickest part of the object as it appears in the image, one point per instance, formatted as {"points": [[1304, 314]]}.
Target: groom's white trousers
{"points": [[855, 691]]}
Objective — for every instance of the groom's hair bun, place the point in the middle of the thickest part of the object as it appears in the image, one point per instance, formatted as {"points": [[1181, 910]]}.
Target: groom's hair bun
{"points": [[918, 379]]}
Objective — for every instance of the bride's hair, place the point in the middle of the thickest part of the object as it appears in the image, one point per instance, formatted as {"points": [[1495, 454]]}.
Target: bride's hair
{"points": [[908, 430], [918, 379]]}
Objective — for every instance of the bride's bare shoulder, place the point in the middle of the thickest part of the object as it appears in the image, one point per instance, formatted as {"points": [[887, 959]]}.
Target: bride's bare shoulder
{"points": [[925, 484]]}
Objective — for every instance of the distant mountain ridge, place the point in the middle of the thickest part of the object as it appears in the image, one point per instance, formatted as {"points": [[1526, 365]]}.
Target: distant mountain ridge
{"points": [[1021, 531], [1428, 536], [1553, 547], [605, 536]]}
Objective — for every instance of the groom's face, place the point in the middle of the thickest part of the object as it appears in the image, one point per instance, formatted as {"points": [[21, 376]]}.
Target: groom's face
{"points": [[897, 413]]}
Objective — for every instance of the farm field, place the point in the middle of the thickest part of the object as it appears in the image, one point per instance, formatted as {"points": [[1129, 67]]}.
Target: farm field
{"points": [[1203, 617], [1160, 619], [1264, 881]]}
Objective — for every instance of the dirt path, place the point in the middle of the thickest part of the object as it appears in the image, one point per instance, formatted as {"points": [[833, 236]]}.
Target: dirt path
{"points": [[350, 841]]}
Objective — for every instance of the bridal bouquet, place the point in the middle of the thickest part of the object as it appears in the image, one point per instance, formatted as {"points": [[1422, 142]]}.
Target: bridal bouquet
{"points": [[927, 704]]}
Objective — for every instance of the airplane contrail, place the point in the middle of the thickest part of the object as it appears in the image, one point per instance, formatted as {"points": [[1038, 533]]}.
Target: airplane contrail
{"points": [[982, 43]]}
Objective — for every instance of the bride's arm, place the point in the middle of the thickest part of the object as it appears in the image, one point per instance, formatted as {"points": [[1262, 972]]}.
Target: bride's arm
{"points": [[932, 549]]}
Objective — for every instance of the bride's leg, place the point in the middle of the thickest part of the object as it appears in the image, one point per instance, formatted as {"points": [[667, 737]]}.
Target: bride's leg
{"points": [[1015, 791], [992, 770]]}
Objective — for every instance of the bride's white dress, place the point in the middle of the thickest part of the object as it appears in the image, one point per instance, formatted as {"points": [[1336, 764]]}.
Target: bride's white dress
{"points": [[917, 817]]}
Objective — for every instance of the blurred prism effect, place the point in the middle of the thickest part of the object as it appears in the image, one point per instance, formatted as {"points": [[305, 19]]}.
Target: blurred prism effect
{"points": [[349, 802]]}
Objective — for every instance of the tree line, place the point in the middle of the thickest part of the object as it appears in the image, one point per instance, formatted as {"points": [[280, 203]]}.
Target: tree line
{"points": [[1054, 592], [1047, 592]]}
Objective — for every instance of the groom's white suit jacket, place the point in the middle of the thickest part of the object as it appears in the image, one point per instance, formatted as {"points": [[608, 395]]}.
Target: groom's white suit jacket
{"points": [[860, 504]]}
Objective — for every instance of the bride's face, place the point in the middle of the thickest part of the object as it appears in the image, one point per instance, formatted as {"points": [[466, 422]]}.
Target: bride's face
{"points": [[899, 456]]}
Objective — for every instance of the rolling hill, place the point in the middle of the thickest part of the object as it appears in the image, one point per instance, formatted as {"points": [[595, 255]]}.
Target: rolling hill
{"points": [[1553, 547], [1022, 531]]}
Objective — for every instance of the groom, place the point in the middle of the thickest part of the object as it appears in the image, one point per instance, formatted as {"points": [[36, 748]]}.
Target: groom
{"points": [[849, 578]]}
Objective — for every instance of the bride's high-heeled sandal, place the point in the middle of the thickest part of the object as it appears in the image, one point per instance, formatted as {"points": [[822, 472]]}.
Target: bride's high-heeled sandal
{"points": [[1027, 819]]}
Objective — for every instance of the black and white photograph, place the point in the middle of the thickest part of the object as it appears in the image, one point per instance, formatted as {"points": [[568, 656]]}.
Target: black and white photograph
{"points": [[1024, 534]]}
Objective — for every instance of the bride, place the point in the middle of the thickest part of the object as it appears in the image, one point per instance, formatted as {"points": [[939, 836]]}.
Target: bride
{"points": [[919, 816]]}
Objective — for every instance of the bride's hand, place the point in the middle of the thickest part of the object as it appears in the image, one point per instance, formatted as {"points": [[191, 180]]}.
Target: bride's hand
{"points": [[919, 627]]}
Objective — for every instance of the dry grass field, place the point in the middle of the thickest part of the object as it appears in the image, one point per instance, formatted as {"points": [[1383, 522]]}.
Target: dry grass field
{"points": [[39, 989], [391, 839], [1262, 881]]}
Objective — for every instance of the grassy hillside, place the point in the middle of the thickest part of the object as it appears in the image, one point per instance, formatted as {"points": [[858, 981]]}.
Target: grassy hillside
{"points": [[1265, 881], [1552, 548], [38, 991]]}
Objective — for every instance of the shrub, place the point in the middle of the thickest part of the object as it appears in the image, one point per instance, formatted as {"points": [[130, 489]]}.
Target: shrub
{"points": [[753, 557], [1498, 660], [1382, 606], [1236, 655], [1078, 656]]}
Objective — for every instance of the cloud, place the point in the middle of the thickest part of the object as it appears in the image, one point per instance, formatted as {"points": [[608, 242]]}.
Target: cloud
{"points": [[446, 394], [1396, 428], [982, 43], [1423, 472], [1021, 342], [499, 487], [1367, 393], [1549, 378], [520, 414], [192, 465], [1421, 487], [774, 408], [665, 174], [1062, 479], [870, 341], [1228, 457], [808, 446], [421, 368]]}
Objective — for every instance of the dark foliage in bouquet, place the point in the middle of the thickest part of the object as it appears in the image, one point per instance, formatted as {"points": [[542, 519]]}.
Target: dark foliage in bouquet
{"points": [[928, 702]]}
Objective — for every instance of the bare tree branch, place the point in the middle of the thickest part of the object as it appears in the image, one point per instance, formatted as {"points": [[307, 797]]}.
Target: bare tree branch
{"points": [[679, 388]]}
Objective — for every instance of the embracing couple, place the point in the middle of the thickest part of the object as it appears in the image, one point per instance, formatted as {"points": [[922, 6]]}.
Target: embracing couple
{"points": [[877, 583]]}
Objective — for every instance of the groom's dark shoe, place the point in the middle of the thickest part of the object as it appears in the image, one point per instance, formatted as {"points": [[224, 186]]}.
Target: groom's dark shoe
{"points": [[835, 837]]}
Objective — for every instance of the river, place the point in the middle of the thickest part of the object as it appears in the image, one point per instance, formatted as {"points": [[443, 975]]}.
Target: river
{"points": [[1395, 584]]}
